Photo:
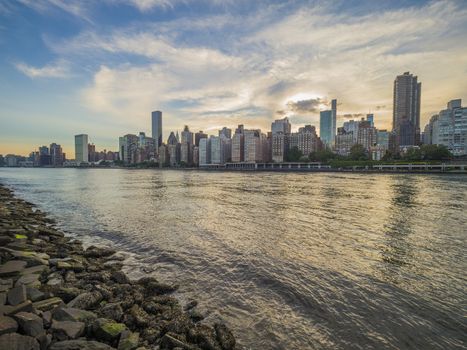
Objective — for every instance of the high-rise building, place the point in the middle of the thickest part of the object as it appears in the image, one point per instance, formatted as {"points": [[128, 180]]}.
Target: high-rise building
{"points": [[352, 126], [280, 134], [81, 148], [198, 136], [253, 146], [344, 141], [156, 123], [204, 151], [326, 128], [334, 122], [56, 155], [172, 140], [187, 135], [238, 144], [127, 146], [366, 134], [406, 109], [226, 132], [371, 118]]}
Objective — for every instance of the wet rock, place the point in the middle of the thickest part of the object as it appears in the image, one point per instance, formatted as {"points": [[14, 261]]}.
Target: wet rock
{"points": [[72, 265], [153, 286], [15, 341], [48, 304], [63, 330], [7, 325], [98, 252], [120, 277], [196, 315], [12, 268], [86, 300], [113, 311], [106, 292], [204, 336], [73, 314], [107, 330], [190, 305], [80, 345], [128, 340], [169, 341], [29, 323], [224, 336], [140, 316], [17, 295]]}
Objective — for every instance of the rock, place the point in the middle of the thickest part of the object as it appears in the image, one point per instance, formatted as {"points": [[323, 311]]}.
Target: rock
{"points": [[9, 310], [107, 294], [35, 270], [140, 316], [204, 336], [31, 280], [63, 330], [169, 341], [15, 341], [17, 295], [31, 258], [154, 286], [190, 305], [34, 294], [224, 336], [29, 323], [55, 282], [47, 318], [97, 252], [86, 300], [113, 311], [119, 277], [80, 345], [107, 330], [44, 340], [12, 268], [48, 304], [7, 325], [70, 276], [72, 314], [2, 298], [5, 284], [196, 315], [72, 265], [128, 340], [67, 294]]}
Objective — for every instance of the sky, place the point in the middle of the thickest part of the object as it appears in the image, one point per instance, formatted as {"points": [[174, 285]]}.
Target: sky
{"points": [[100, 67]]}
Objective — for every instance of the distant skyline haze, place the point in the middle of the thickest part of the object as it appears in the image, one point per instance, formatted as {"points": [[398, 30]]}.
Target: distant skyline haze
{"points": [[102, 67]]}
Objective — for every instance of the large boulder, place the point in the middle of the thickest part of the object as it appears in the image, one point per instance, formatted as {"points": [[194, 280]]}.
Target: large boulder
{"points": [[107, 330], [86, 301], [128, 340], [12, 268], [17, 295], [73, 314], [63, 330], [7, 325], [15, 341], [29, 323], [9, 310], [113, 311], [48, 304], [31, 280], [98, 252]]}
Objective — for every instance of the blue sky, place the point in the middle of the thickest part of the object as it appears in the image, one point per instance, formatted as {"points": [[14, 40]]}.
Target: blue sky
{"points": [[101, 67]]}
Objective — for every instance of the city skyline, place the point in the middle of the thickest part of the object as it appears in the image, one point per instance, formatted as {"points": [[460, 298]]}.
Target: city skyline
{"points": [[212, 65]]}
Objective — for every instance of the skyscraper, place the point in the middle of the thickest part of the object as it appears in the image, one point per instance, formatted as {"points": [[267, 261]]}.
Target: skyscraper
{"points": [[334, 122], [156, 119], [406, 109], [326, 127], [81, 148]]}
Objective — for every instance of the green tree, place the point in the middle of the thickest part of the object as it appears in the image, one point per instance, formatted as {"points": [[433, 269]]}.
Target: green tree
{"points": [[293, 154], [358, 152], [413, 154], [388, 156], [323, 156], [435, 152]]}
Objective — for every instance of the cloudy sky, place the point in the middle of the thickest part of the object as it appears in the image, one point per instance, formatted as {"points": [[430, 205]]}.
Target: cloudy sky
{"points": [[101, 67]]}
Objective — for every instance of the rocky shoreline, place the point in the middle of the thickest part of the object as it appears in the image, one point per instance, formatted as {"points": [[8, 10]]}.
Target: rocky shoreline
{"points": [[56, 295]]}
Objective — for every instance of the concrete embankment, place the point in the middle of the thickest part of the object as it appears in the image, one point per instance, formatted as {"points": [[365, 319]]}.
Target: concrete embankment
{"points": [[54, 294]]}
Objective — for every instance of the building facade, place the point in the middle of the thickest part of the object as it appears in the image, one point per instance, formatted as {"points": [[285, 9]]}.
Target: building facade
{"points": [[81, 148], [156, 126]]}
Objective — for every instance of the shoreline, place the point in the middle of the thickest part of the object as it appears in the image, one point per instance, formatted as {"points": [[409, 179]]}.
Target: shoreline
{"points": [[56, 295]]}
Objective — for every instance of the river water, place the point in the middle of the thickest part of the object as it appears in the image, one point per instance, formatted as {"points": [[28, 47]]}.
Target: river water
{"points": [[287, 260]]}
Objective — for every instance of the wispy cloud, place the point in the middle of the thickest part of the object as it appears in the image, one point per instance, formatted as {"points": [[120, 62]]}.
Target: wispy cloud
{"points": [[76, 8], [57, 70]]}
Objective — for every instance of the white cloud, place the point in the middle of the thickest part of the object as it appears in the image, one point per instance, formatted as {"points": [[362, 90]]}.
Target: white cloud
{"points": [[76, 8], [57, 70]]}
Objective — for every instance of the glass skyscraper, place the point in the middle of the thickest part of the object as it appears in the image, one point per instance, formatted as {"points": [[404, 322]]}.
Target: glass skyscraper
{"points": [[326, 127], [156, 121]]}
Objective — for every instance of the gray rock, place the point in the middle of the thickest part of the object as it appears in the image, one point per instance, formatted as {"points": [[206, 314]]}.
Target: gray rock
{"points": [[44, 340], [5, 284], [80, 345], [34, 270], [34, 294], [190, 305], [97, 252], [15, 341], [113, 311], [68, 293], [169, 341], [86, 300], [2, 298], [107, 330], [9, 310], [31, 280], [46, 318], [17, 295], [30, 323], [63, 330], [48, 304], [120, 277], [12, 268], [55, 282], [128, 340], [7, 325], [73, 314]]}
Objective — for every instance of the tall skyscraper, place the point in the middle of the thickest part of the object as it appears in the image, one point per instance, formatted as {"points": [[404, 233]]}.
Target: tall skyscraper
{"points": [[81, 148], [406, 109], [326, 127], [334, 122], [156, 120]]}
